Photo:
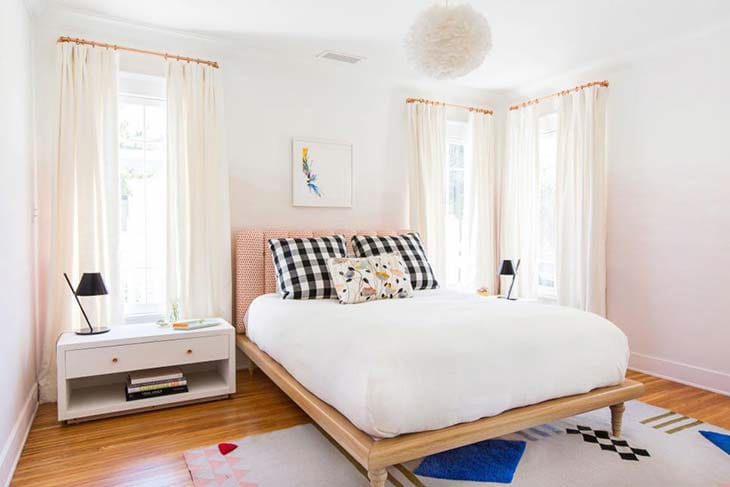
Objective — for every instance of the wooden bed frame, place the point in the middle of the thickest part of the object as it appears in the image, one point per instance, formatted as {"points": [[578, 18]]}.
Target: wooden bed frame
{"points": [[255, 276], [376, 455]]}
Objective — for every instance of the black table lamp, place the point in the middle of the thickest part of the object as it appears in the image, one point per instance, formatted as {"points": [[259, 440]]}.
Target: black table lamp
{"points": [[509, 270], [91, 284]]}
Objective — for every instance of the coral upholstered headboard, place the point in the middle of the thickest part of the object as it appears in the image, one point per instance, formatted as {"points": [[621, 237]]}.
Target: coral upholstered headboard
{"points": [[254, 267]]}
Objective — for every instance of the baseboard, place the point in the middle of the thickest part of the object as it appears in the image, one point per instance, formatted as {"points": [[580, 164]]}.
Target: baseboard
{"points": [[690, 375], [13, 447]]}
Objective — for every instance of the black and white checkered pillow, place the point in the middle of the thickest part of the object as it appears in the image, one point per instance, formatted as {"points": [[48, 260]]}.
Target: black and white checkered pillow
{"points": [[411, 250], [301, 266]]}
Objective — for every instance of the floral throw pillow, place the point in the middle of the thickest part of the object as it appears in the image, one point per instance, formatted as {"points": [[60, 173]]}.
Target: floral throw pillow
{"points": [[360, 279]]}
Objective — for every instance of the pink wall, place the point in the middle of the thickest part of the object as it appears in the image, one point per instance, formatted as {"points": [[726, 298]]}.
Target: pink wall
{"points": [[669, 210]]}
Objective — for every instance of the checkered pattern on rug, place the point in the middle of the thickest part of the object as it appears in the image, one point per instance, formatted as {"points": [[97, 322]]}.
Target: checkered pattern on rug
{"points": [[301, 266], [411, 250], [604, 440]]}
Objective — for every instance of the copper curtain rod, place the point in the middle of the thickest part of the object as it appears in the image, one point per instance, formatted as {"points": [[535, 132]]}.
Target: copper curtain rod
{"points": [[213, 64], [431, 102], [559, 93]]}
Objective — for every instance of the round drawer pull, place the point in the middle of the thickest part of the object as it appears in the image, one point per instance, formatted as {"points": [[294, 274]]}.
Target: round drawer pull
{"points": [[189, 351], [115, 360]]}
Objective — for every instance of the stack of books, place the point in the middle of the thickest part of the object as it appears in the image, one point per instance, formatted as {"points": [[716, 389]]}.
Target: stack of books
{"points": [[155, 382]]}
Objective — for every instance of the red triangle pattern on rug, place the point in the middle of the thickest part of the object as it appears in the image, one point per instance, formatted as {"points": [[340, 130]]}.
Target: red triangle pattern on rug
{"points": [[226, 448]]}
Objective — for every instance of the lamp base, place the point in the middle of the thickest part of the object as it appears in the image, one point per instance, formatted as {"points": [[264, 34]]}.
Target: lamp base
{"points": [[95, 331], [508, 299]]}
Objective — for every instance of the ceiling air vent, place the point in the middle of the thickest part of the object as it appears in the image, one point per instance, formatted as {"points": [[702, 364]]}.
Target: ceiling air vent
{"points": [[338, 56]]}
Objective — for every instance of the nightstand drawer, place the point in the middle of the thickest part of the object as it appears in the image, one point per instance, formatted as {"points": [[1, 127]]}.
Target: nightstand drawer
{"points": [[123, 358]]}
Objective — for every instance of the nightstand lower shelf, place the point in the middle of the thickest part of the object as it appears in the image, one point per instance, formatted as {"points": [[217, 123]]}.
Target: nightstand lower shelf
{"points": [[93, 401]]}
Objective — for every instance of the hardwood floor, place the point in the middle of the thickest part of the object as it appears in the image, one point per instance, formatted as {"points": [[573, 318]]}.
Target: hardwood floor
{"points": [[697, 403], [146, 449]]}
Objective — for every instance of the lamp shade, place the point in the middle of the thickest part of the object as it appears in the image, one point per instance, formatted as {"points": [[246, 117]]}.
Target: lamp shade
{"points": [[507, 268], [91, 284]]}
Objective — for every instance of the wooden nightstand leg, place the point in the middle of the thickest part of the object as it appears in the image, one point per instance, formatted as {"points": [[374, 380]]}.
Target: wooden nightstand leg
{"points": [[617, 416], [251, 367]]}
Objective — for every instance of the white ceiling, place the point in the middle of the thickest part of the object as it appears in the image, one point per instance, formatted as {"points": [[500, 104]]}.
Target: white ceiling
{"points": [[533, 39]]}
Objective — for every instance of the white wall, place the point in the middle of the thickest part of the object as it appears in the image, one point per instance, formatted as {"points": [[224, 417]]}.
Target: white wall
{"points": [[17, 353], [267, 105], [669, 206]]}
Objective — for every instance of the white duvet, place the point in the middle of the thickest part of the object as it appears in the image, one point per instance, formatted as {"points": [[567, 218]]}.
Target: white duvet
{"points": [[441, 358]]}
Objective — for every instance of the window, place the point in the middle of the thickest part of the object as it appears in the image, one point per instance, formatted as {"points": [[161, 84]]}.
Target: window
{"points": [[455, 141], [142, 118], [547, 153]]}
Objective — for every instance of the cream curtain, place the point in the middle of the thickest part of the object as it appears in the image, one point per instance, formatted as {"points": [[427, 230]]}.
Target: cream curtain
{"points": [[198, 208], [427, 180], [85, 220], [520, 199], [479, 228], [582, 199]]}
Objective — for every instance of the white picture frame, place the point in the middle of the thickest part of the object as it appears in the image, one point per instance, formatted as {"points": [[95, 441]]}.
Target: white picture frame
{"points": [[326, 180]]}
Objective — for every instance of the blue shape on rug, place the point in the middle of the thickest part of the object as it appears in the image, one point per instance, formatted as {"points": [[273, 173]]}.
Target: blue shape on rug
{"points": [[486, 461], [718, 439]]}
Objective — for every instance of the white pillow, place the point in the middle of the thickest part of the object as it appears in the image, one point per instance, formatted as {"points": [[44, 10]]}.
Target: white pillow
{"points": [[360, 279]]}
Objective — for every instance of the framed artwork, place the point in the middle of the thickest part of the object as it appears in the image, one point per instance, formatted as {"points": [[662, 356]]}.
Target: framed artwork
{"points": [[321, 173]]}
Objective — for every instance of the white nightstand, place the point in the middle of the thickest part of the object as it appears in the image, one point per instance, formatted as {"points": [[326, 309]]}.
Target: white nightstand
{"points": [[92, 370]]}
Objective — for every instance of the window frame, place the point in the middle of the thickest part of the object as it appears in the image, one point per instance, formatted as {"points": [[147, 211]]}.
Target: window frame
{"points": [[547, 293], [144, 90], [456, 134]]}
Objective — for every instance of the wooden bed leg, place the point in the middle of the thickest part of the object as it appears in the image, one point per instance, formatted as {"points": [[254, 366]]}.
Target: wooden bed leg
{"points": [[617, 415], [377, 477]]}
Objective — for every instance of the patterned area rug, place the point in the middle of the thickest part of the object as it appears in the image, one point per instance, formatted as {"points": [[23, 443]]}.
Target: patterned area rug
{"points": [[657, 448]]}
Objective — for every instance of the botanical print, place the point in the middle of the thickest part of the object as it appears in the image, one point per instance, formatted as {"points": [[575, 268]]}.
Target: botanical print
{"points": [[309, 177], [321, 173], [369, 278]]}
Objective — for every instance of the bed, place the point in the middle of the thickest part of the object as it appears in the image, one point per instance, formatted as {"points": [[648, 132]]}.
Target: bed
{"points": [[396, 380]]}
